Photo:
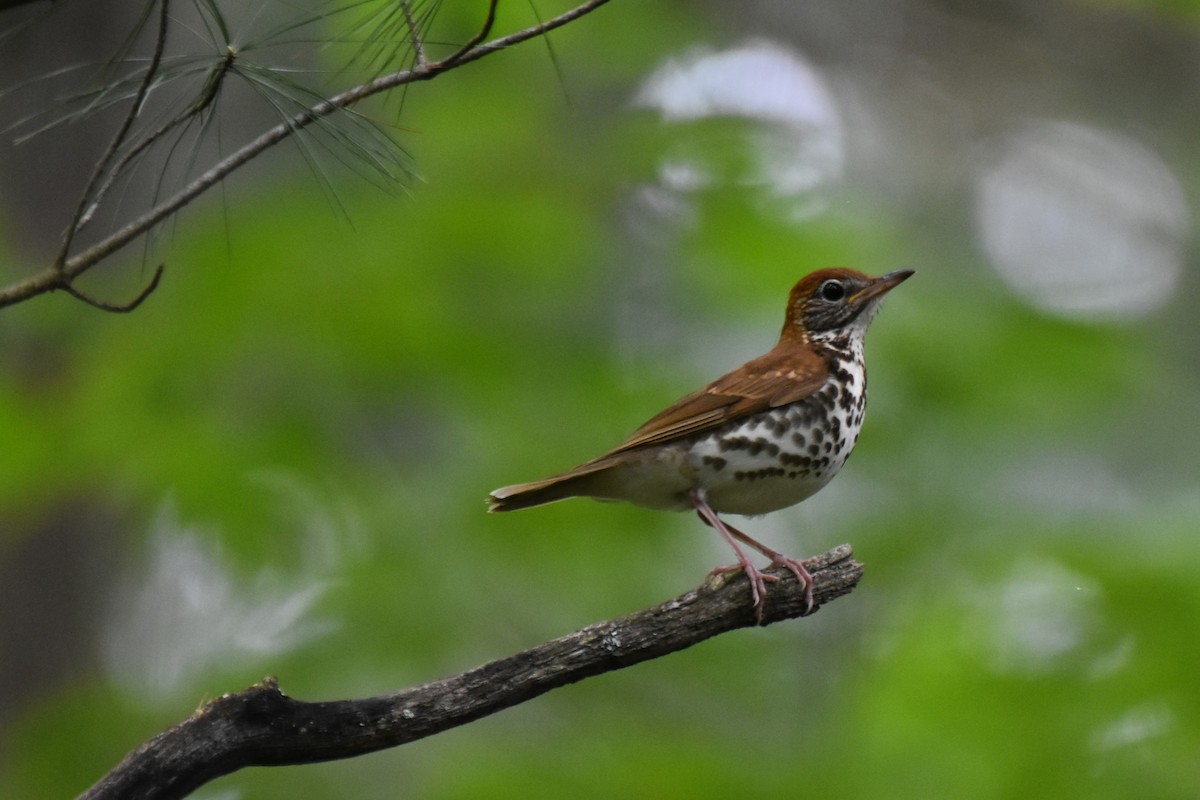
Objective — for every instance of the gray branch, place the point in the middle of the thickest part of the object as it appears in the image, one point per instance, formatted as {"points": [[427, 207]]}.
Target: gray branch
{"points": [[262, 726]]}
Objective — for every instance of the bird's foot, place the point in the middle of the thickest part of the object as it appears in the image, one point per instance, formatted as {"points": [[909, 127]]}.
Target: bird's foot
{"points": [[778, 559], [758, 584]]}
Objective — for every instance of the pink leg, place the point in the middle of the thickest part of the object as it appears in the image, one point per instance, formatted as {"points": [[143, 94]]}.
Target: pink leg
{"points": [[779, 559], [758, 579]]}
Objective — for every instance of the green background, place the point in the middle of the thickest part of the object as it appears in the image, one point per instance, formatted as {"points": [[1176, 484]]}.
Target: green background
{"points": [[306, 417]]}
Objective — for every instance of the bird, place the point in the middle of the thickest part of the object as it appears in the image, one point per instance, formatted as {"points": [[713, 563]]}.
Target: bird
{"points": [[763, 437]]}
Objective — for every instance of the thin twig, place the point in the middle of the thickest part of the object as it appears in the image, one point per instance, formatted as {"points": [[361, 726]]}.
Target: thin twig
{"points": [[98, 173], [52, 278], [261, 726], [115, 308], [208, 93], [418, 41], [474, 41]]}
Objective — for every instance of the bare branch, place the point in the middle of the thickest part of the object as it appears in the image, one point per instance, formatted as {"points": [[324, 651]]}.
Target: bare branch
{"points": [[52, 278], [261, 726]]}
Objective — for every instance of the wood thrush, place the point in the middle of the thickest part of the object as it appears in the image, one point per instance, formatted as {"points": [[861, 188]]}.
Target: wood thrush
{"points": [[763, 437]]}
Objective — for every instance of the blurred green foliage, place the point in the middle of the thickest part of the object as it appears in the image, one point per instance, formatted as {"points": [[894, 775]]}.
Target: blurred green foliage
{"points": [[329, 400]]}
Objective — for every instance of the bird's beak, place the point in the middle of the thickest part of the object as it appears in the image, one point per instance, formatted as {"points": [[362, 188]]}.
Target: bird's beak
{"points": [[881, 286]]}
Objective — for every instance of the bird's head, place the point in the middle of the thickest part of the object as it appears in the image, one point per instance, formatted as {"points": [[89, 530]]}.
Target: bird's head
{"points": [[830, 301]]}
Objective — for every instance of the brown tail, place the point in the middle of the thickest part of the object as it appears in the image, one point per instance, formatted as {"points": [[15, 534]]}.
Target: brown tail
{"points": [[547, 490], [525, 495]]}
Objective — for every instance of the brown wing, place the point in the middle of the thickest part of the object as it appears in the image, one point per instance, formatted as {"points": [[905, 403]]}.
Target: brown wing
{"points": [[788, 373]]}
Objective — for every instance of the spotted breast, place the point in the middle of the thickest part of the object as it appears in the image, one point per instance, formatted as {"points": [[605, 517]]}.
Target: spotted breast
{"points": [[780, 457]]}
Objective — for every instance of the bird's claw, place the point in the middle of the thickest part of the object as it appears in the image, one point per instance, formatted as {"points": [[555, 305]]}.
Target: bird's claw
{"points": [[802, 574]]}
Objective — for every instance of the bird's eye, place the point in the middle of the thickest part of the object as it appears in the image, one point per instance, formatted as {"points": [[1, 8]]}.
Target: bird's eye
{"points": [[833, 291]]}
